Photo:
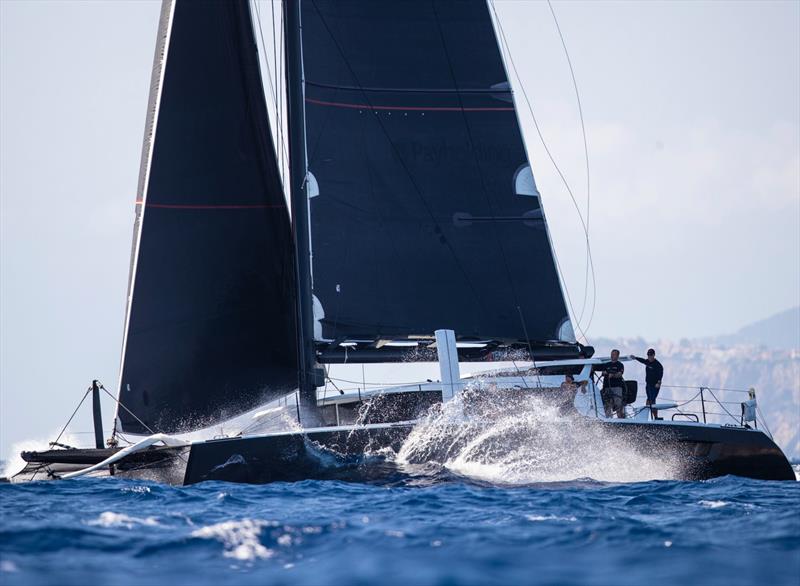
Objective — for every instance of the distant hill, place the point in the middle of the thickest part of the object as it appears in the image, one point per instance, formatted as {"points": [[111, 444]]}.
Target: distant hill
{"points": [[779, 331]]}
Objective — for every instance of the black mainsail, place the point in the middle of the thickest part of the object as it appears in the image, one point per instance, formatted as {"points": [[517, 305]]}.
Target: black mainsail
{"points": [[210, 326], [424, 209], [424, 213]]}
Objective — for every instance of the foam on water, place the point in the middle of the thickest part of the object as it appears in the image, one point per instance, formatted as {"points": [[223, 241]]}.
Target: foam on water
{"points": [[537, 518], [137, 489], [713, 504], [521, 439], [240, 539], [15, 463], [111, 519]]}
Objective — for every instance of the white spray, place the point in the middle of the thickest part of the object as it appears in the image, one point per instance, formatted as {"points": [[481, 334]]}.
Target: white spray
{"points": [[517, 438]]}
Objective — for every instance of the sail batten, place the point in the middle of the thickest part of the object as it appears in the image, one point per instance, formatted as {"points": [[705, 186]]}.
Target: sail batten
{"points": [[409, 90]]}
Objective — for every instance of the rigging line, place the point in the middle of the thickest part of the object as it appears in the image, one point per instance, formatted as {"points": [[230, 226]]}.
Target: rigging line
{"points": [[281, 88], [488, 199], [507, 51], [730, 402], [269, 79], [275, 73], [681, 404], [763, 420], [380, 384], [363, 375], [407, 384], [335, 387], [71, 417], [118, 402], [585, 154], [578, 325], [326, 368], [530, 351], [484, 190], [400, 159], [312, 155], [264, 48], [721, 405], [80, 433], [125, 439], [705, 387]]}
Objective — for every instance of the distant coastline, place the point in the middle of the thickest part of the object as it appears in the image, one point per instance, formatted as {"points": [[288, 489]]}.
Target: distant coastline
{"points": [[764, 355]]}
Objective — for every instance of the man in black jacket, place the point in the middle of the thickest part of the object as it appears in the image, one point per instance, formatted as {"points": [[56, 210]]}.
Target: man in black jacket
{"points": [[654, 374], [613, 384]]}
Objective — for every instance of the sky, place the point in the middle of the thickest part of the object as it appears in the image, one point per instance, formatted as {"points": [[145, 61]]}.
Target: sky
{"points": [[692, 113]]}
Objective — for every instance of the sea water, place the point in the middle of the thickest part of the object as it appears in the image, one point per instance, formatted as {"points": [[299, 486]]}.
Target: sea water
{"points": [[452, 531], [509, 501]]}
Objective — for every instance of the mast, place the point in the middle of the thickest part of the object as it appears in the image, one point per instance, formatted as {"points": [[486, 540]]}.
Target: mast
{"points": [[298, 170], [97, 417]]}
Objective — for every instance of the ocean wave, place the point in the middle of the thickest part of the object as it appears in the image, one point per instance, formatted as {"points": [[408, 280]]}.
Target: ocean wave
{"points": [[713, 504], [537, 518], [456, 531], [111, 519], [240, 539]]}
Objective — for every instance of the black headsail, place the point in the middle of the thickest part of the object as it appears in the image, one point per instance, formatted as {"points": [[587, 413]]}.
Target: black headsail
{"points": [[424, 209], [210, 327]]}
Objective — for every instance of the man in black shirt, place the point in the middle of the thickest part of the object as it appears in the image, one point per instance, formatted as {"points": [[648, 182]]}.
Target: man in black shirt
{"points": [[654, 374], [613, 385]]}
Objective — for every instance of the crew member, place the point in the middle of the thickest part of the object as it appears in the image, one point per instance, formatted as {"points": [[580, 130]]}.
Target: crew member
{"points": [[613, 385], [654, 373], [569, 390], [749, 409]]}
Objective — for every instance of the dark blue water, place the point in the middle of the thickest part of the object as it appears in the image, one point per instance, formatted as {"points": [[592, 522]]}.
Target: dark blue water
{"points": [[454, 531]]}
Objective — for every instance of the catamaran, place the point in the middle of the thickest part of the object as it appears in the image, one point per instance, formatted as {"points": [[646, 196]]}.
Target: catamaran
{"points": [[413, 231]]}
